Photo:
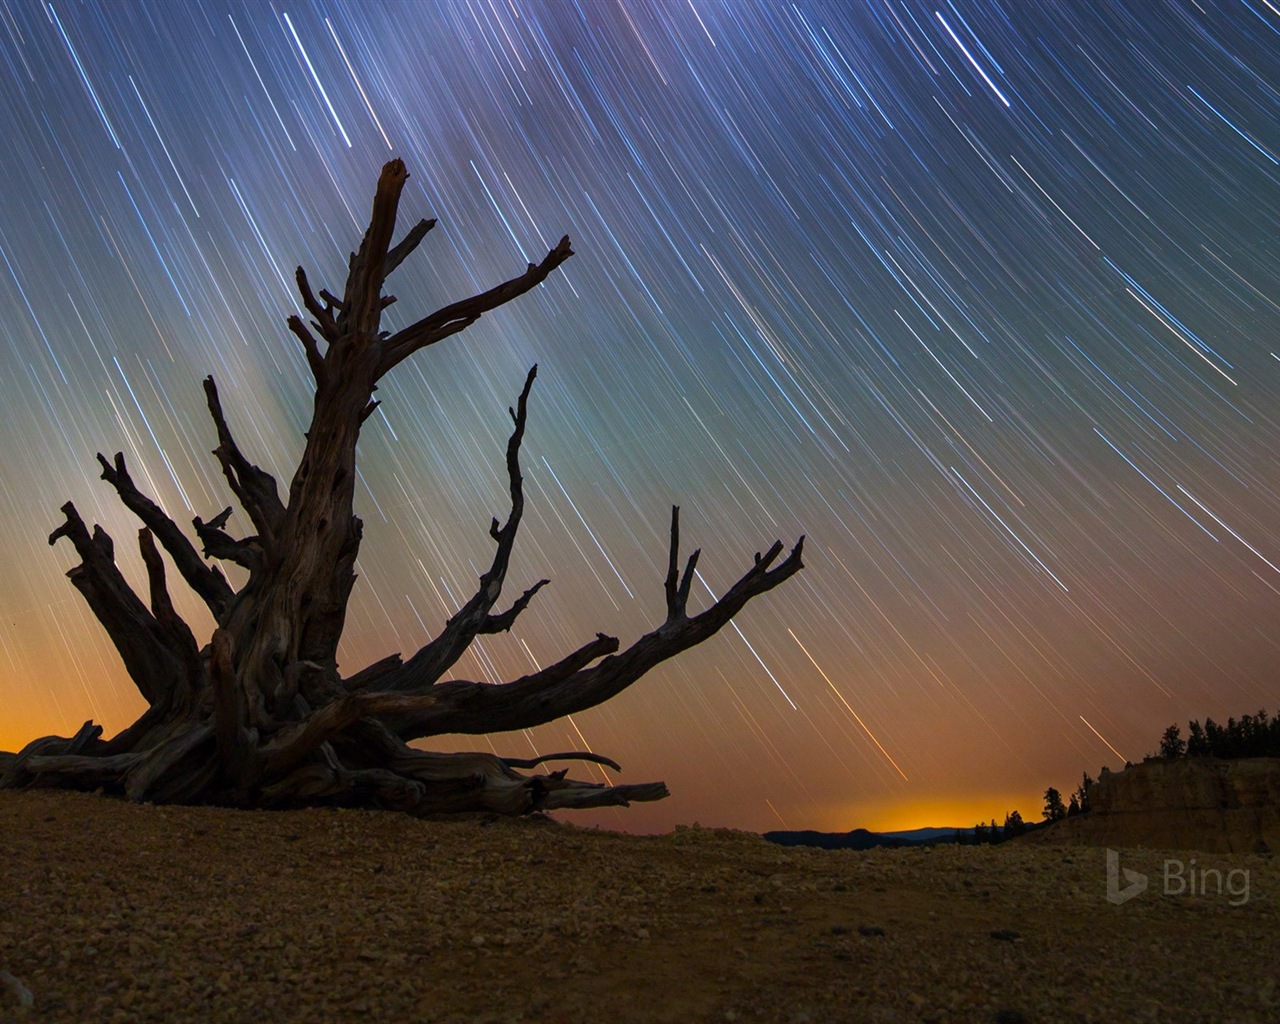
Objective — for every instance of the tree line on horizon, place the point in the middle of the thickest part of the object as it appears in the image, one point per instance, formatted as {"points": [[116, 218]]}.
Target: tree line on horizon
{"points": [[1248, 736], [1015, 825]]}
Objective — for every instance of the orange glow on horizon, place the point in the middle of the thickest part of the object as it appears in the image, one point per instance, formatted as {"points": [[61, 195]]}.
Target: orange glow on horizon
{"points": [[960, 811]]}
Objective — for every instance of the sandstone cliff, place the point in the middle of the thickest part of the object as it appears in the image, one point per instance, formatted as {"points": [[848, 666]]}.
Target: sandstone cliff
{"points": [[1191, 804]]}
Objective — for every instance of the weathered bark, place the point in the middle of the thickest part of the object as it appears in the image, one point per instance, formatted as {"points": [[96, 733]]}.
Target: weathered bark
{"points": [[260, 715]]}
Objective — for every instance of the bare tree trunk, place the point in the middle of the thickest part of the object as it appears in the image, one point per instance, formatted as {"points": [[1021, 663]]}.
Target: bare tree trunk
{"points": [[260, 716]]}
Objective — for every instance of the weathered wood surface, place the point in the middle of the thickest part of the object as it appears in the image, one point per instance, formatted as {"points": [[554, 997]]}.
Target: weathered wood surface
{"points": [[260, 716]]}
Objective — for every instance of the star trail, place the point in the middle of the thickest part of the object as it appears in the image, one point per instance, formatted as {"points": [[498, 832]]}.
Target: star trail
{"points": [[982, 297]]}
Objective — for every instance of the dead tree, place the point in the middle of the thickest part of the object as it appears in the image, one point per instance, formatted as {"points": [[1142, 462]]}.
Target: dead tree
{"points": [[261, 716]]}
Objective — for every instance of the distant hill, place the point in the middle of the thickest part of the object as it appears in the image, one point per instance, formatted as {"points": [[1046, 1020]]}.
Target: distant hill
{"points": [[862, 839], [926, 835]]}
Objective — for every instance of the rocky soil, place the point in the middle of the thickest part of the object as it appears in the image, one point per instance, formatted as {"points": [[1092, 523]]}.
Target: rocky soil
{"points": [[116, 912]]}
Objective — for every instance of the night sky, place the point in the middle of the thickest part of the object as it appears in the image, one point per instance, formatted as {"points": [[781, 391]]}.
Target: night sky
{"points": [[982, 298]]}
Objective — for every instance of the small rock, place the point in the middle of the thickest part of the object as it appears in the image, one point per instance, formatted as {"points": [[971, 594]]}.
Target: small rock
{"points": [[18, 990], [870, 930], [1005, 935]]}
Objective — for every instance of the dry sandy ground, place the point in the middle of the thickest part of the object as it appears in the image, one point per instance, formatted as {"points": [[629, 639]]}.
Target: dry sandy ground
{"points": [[113, 912]]}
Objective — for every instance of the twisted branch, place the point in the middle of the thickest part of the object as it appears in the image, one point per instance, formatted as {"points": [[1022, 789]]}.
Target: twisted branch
{"points": [[207, 581], [254, 488], [459, 315], [474, 618], [574, 684]]}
